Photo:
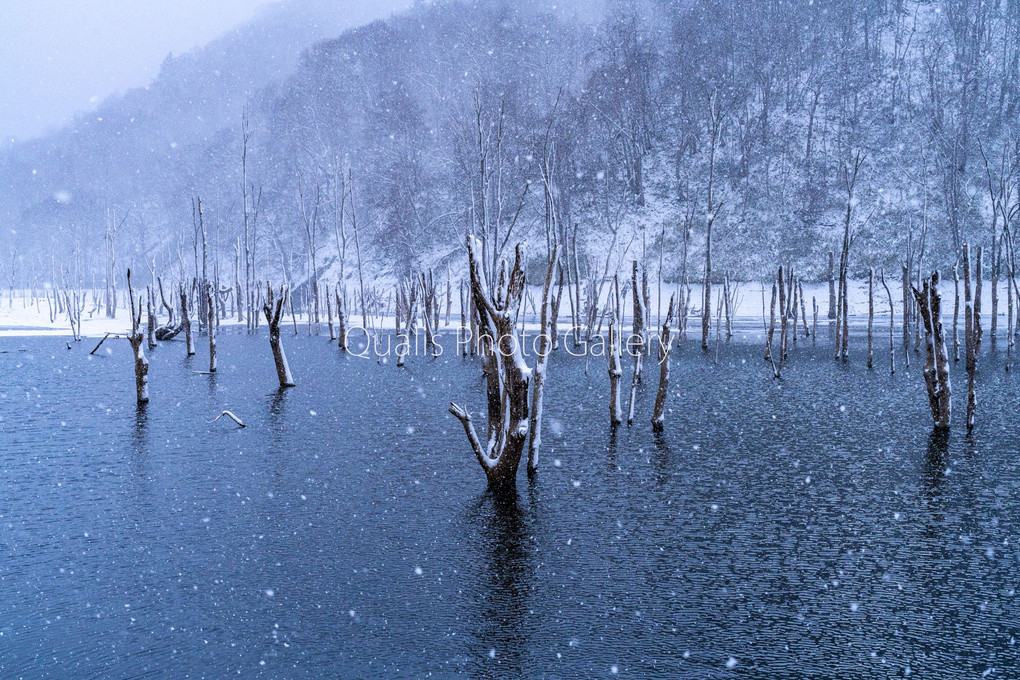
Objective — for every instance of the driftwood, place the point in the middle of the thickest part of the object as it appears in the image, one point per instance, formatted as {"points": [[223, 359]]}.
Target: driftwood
{"points": [[936, 366], [508, 377], [230, 415]]}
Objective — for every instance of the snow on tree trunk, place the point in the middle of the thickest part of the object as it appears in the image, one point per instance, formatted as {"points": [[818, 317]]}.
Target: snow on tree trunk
{"points": [[659, 412], [508, 376], [892, 324], [871, 314], [637, 346], [970, 335], [211, 309], [936, 366], [135, 338], [273, 310], [545, 346], [613, 355], [186, 321]]}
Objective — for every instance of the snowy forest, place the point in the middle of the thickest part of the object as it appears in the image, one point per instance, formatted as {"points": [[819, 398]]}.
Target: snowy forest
{"points": [[609, 124]]}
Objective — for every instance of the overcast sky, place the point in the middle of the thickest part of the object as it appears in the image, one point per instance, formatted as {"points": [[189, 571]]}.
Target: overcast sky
{"points": [[58, 57]]}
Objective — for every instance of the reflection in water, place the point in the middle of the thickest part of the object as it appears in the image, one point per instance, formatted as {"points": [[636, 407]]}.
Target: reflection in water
{"points": [[506, 578]]}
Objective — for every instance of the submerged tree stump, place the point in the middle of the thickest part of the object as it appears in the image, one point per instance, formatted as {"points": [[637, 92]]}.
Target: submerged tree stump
{"points": [[508, 377], [936, 365]]}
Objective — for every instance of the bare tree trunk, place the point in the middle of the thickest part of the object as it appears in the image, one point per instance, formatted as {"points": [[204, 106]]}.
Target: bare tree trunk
{"points": [[341, 320], [541, 365], [956, 313], [637, 346], [508, 385], [871, 312], [659, 412], [772, 325], [892, 326], [151, 325], [978, 330], [186, 321], [936, 367], [814, 319], [211, 308], [970, 336], [273, 310], [832, 288], [613, 354], [907, 304], [803, 307], [135, 338]]}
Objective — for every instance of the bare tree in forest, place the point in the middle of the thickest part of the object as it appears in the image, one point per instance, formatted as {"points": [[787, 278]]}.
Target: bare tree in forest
{"points": [[715, 125], [507, 376], [273, 310], [547, 328], [850, 173], [135, 338], [936, 365]]}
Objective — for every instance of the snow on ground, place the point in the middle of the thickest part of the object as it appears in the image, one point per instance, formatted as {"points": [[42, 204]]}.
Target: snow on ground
{"points": [[23, 317]]}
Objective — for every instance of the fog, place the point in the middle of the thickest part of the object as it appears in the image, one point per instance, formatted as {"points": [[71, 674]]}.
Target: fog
{"points": [[61, 56]]}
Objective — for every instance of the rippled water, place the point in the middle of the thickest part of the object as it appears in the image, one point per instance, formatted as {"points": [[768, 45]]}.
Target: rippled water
{"points": [[803, 528]]}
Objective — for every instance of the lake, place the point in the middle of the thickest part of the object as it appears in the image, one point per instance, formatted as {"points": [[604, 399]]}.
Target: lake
{"points": [[810, 527]]}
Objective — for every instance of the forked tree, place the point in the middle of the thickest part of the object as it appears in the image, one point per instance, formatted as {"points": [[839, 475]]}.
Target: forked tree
{"points": [[507, 376], [936, 365], [273, 310], [659, 413]]}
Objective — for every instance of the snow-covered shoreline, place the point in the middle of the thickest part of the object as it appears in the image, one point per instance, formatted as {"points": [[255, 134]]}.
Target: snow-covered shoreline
{"points": [[22, 317]]}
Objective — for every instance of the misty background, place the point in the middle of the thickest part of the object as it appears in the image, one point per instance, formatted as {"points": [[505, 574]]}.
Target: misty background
{"points": [[595, 124]]}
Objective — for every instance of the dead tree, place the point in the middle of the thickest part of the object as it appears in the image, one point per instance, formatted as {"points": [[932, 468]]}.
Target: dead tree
{"points": [[772, 325], [715, 125], [613, 355], [659, 412], [636, 345], [545, 345], [832, 289], [211, 310], [508, 377], [341, 320], [978, 330], [150, 330], [970, 336], [777, 368], [186, 320], [273, 310], [892, 325], [135, 338], [936, 366], [956, 313], [871, 313]]}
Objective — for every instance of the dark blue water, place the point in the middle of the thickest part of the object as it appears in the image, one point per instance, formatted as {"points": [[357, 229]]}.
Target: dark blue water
{"points": [[804, 528]]}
